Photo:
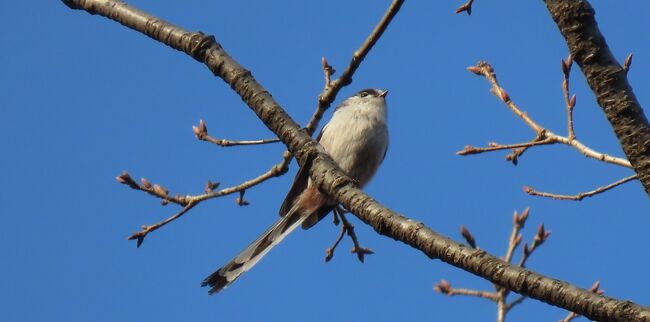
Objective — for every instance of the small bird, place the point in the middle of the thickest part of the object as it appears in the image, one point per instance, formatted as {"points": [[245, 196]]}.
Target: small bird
{"points": [[357, 139]]}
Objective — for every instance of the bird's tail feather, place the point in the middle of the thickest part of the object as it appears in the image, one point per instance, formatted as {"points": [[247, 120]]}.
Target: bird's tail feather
{"points": [[254, 252]]}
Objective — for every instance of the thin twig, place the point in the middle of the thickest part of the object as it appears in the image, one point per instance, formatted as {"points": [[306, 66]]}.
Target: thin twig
{"points": [[581, 195], [541, 236], [332, 88], [484, 69], [188, 202], [516, 302], [139, 236], [154, 190], [229, 143], [570, 102], [445, 288], [518, 222], [201, 133], [349, 228], [329, 252], [496, 147], [500, 294]]}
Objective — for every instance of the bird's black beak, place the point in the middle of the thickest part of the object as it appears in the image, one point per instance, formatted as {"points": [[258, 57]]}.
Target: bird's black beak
{"points": [[383, 94]]}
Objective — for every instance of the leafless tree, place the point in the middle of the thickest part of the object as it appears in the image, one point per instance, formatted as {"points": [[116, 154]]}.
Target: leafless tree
{"points": [[605, 75]]}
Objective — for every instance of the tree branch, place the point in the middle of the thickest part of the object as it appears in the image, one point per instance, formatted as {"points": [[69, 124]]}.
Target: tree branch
{"points": [[201, 133], [581, 195], [330, 179], [544, 135], [332, 88], [607, 79]]}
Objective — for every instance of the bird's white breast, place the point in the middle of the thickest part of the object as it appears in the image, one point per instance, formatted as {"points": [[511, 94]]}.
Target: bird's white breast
{"points": [[357, 137]]}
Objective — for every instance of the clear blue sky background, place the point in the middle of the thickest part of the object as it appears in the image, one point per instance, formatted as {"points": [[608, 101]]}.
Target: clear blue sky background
{"points": [[83, 98]]}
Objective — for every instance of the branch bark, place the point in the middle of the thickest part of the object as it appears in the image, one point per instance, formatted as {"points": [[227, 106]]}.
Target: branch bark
{"points": [[607, 79], [327, 175]]}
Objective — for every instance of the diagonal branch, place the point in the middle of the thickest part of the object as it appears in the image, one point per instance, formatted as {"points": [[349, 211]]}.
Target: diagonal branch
{"points": [[332, 88], [331, 180]]}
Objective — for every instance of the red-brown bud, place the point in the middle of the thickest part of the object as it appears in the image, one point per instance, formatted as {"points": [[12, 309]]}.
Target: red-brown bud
{"points": [[145, 183]]}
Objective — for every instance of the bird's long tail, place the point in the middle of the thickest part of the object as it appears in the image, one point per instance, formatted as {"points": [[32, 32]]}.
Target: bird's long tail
{"points": [[254, 252]]}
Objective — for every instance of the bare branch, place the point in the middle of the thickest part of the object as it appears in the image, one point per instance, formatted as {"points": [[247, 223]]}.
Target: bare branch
{"points": [[348, 228], [518, 223], [607, 79], [541, 236], [332, 88], [570, 102], [445, 288], [201, 133], [484, 69], [329, 252], [154, 190], [468, 150], [326, 175], [139, 236], [188, 202], [581, 195]]}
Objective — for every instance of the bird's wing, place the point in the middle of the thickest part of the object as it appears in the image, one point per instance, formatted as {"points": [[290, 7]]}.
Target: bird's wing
{"points": [[254, 252], [299, 184]]}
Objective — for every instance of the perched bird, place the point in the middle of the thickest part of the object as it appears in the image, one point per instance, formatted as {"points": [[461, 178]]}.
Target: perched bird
{"points": [[357, 139]]}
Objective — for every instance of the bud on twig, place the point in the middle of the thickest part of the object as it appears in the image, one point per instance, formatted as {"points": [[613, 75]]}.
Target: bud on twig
{"points": [[126, 179], [628, 62], [468, 236], [160, 191], [475, 69], [240, 200], [443, 287], [572, 101], [210, 186], [145, 183]]}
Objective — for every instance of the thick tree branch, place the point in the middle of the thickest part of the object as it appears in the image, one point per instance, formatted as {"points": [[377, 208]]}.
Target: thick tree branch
{"points": [[327, 175], [608, 79]]}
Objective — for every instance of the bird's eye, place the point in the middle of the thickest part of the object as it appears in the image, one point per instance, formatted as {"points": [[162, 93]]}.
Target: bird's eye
{"points": [[364, 94]]}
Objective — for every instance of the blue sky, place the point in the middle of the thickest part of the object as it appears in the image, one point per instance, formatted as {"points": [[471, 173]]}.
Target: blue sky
{"points": [[83, 98]]}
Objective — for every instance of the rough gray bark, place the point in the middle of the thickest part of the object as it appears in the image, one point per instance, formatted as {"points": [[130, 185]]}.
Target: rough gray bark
{"points": [[607, 79], [331, 180]]}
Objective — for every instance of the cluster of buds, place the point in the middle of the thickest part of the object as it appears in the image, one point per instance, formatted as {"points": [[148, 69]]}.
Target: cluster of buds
{"points": [[541, 236], [126, 179]]}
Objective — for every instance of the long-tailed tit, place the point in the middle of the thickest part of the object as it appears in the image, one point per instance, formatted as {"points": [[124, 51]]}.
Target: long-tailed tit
{"points": [[357, 139]]}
